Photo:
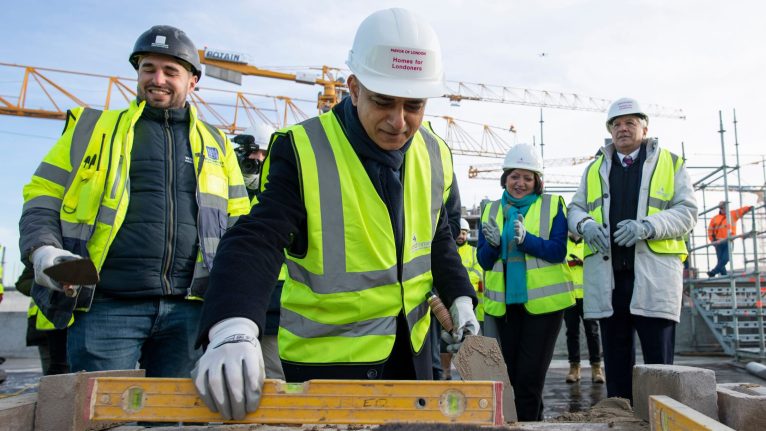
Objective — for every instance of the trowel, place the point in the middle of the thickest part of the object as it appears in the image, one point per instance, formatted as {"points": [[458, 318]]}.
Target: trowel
{"points": [[479, 358], [72, 273]]}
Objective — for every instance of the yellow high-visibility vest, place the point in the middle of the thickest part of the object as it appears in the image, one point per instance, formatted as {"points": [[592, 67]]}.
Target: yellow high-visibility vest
{"points": [[661, 191], [84, 177], [549, 285], [576, 250], [341, 299], [467, 254]]}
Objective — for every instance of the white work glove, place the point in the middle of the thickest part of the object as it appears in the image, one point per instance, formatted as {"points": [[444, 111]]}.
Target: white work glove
{"points": [[520, 232], [464, 322], [229, 376], [491, 232], [595, 236], [630, 232], [45, 257], [251, 181]]}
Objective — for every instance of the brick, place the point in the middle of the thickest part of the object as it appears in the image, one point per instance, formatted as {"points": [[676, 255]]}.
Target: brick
{"points": [[480, 358], [692, 386], [61, 401], [742, 406], [17, 413]]}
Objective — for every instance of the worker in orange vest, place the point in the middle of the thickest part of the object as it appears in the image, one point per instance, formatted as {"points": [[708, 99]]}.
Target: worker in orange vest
{"points": [[717, 232]]}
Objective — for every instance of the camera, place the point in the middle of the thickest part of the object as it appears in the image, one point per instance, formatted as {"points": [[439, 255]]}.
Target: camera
{"points": [[245, 147]]}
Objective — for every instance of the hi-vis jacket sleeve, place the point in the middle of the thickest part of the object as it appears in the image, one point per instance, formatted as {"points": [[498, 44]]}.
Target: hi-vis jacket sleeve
{"points": [[39, 224], [239, 203]]}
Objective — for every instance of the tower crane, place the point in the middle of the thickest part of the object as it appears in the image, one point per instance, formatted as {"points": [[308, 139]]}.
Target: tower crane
{"points": [[230, 67]]}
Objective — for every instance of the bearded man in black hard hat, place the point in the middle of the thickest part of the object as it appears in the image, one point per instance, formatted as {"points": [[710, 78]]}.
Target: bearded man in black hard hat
{"points": [[145, 193]]}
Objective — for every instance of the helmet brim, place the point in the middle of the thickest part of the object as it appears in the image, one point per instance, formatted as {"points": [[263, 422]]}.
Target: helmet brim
{"points": [[407, 88]]}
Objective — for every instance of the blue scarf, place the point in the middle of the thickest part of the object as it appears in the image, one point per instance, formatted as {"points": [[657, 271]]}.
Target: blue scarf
{"points": [[515, 263]]}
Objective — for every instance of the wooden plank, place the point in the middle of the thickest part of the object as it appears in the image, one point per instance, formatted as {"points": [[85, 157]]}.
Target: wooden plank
{"points": [[312, 402], [667, 414]]}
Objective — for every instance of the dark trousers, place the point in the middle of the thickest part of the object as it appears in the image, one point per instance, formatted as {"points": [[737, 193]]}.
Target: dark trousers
{"points": [[657, 338], [722, 254], [527, 342], [572, 317]]}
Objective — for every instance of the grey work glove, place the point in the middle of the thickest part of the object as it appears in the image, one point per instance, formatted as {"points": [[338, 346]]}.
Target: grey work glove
{"points": [[520, 232], [629, 232], [491, 232], [45, 257], [595, 236], [229, 376], [464, 321]]}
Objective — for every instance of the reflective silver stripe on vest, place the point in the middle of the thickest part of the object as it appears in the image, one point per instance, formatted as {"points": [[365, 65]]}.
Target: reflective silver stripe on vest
{"points": [[52, 173], [417, 313], [437, 176], [216, 135], [336, 278], [47, 202], [79, 231], [536, 263], [495, 296], [307, 328], [213, 201], [498, 266], [211, 243], [542, 292], [81, 138], [237, 192], [106, 215], [545, 217], [592, 206], [660, 204], [335, 282], [493, 209]]}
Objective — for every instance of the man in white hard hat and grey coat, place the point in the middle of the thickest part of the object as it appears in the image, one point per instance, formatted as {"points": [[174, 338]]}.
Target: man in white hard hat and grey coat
{"points": [[634, 205], [353, 202]]}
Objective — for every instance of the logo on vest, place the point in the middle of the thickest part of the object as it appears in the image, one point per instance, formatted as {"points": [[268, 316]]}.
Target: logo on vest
{"points": [[661, 192], [159, 41], [212, 153], [419, 245]]}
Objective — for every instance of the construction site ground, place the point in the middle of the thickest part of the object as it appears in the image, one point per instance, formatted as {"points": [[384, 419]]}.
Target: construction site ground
{"points": [[563, 402]]}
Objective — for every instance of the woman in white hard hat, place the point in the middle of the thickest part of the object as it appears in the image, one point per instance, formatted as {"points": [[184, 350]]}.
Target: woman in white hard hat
{"points": [[522, 247]]}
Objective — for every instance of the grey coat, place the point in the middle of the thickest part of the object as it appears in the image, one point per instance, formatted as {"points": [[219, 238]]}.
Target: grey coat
{"points": [[658, 277]]}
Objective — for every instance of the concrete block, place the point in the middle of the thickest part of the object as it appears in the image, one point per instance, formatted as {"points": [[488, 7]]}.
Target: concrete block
{"points": [[17, 413], [480, 358], [61, 401], [13, 320], [742, 406], [691, 386]]}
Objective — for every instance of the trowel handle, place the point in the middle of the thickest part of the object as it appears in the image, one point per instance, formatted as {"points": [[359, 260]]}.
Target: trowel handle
{"points": [[440, 311]]}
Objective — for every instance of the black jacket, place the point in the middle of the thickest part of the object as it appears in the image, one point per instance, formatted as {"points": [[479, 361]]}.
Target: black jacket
{"points": [[250, 253], [154, 252]]}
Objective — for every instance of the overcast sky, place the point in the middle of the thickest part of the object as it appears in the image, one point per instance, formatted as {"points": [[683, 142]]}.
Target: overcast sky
{"points": [[699, 56]]}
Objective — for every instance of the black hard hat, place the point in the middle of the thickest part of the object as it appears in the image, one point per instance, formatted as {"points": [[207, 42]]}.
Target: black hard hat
{"points": [[167, 40]]}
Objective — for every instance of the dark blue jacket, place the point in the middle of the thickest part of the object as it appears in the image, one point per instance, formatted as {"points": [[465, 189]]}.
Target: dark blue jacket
{"points": [[155, 250], [553, 250]]}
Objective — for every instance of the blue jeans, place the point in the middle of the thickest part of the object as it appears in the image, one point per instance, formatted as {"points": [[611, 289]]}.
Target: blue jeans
{"points": [[116, 334], [722, 254]]}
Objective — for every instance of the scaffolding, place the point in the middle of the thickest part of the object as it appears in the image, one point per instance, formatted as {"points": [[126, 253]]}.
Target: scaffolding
{"points": [[731, 304]]}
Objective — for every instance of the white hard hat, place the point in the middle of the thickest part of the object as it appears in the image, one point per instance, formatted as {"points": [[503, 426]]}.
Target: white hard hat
{"points": [[523, 156], [464, 225], [397, 53], [624, 106], [261, 132]]}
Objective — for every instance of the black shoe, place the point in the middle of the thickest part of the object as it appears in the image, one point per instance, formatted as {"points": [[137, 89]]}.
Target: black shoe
{"points": [[710, 274]]}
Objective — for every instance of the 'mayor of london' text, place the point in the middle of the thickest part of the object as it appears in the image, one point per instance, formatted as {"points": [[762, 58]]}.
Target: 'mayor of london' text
{"points": [[408, 51]]}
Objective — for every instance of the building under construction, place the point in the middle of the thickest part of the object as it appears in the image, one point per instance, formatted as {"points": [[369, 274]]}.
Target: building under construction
{"points": [[722, 316]]}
